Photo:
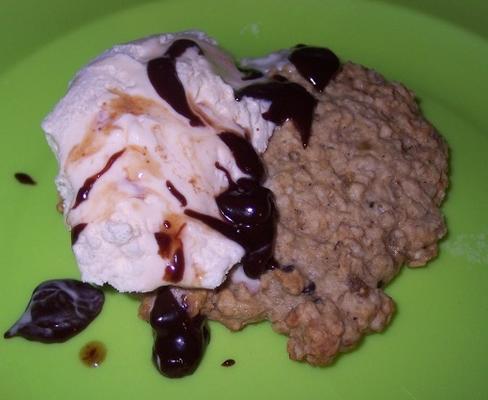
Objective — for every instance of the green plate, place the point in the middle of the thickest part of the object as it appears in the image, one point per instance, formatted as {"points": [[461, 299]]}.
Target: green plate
{"points": [[436, 346]]}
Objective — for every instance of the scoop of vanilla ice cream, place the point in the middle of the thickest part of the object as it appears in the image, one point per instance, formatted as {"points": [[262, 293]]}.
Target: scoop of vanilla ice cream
{"points": [[129, 165]]}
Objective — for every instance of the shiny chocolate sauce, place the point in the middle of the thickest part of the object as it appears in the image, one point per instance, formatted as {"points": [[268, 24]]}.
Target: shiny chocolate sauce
{"points": [[75, 232], [164, 241], [93, 354], [247, 207], [175, 269], [288, 100], [171, 247], [318, 65], [58, 310], [179, 340], [176, 193], [24, 178], [164, 79], [228, 363], [84, 191], [246, 157]]}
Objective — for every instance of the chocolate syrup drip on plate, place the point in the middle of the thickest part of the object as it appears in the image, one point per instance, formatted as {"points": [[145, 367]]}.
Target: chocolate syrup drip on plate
{"points": [[179, 340], [75, 232], [58, 310], [176, 193], [164, 78], [288, 100], [84, 191], [228, 363], [93, 354], [24, 178], [318, 65]]}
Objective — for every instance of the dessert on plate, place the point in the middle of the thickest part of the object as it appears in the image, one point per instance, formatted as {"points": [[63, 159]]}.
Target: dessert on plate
{"points": [[361, 200], [289, 188]]}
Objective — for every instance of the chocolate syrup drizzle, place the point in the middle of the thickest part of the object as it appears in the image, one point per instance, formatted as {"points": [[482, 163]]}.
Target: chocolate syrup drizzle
{"points": [[60, 309], [176, 193], [84, 191], [171, 247], [247, 207], [164, 243], [179, 340], [164, 78], [246, 157], [318, 65], [176, 268], [288, 100], [75, 232]]}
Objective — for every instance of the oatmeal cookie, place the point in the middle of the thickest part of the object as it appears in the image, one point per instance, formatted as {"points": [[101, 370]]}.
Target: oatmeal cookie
{"points": [[354, 206]]}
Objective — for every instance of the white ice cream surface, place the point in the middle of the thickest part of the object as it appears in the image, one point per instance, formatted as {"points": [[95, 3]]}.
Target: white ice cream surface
{"points": [[110, 107], [275, 61]]}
